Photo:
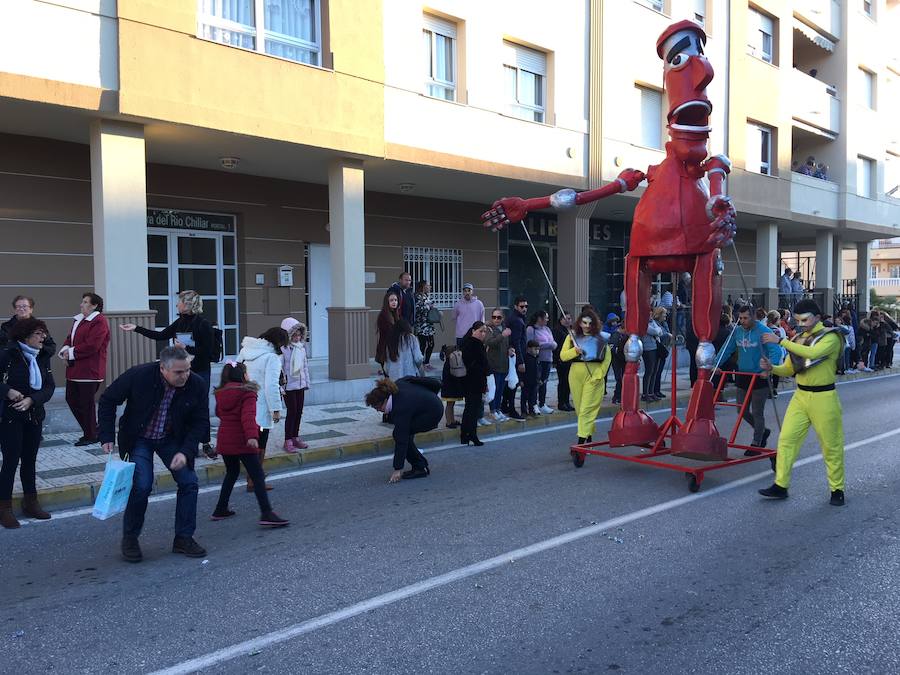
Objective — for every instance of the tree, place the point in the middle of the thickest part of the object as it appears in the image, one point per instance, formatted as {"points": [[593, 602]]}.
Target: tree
{"points": [[885, 303]]}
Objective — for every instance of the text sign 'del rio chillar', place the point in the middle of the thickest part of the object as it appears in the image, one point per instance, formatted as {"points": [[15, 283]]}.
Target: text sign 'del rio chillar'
{"points": [[190, 220]]}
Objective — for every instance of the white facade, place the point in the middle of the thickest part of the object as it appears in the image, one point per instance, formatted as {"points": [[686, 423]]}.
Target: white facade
{"points": [[78, 43]]}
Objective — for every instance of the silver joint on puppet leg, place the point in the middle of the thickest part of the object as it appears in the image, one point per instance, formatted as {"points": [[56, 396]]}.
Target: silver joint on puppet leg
{"points": [[633, 348], [706, 355], [563, 199]]}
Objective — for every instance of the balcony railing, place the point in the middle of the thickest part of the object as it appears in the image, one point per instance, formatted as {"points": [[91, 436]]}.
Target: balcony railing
{"points": [[883, 282], [815, 103]]}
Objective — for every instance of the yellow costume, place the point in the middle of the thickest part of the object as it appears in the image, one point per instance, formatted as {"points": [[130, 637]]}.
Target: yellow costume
{"points": [[587, 381], [821, 408]]}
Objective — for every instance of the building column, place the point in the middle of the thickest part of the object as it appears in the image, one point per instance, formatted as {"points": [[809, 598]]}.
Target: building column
{"points": [[348, 324], [573, 271], [863, 263], [824, 265], [767, 263], [837, 266], [119, 216]]}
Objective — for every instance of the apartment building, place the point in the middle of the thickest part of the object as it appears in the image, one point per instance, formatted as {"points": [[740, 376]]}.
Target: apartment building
{"points": [[293, 156]]}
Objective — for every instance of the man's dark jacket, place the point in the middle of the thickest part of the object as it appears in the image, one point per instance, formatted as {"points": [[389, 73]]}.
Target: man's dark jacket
{"points": [[516, 325], [141, 389], [407, 302], [415, 408]]}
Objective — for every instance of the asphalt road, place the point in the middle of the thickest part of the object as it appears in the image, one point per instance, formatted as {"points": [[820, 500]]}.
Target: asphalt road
{"points": [[506, 560]]}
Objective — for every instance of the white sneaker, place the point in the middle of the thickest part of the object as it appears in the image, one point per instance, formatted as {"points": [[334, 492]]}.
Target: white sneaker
{"points": [[852, 371], [546, 409], [483, 423], [868, 370], [500, 417]]}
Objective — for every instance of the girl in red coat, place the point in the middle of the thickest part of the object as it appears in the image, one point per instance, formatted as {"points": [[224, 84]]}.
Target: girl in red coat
{"points": [[238, 441]]}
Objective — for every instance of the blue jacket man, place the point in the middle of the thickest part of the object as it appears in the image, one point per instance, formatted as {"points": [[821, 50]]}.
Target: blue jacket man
{"points": [[166, 413], [747, 339]]}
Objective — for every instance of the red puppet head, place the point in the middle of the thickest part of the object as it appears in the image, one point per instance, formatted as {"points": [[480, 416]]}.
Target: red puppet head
{"points": [[687, 72]]}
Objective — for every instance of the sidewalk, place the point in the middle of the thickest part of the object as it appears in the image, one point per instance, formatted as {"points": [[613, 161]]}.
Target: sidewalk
{"points": [[70, 476]]}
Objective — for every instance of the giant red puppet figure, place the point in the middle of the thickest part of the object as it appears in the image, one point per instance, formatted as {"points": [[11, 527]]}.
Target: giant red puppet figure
{"points": [[679, 226]]}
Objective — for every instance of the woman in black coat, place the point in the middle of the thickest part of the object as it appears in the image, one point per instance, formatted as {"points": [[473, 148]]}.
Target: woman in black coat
{"points": [[26, 385], [474, 382], [412, 405]]}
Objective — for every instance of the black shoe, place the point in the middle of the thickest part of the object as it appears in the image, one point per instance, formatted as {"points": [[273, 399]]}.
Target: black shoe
{"points": [[774, 491], [416, 473], [837, 498], [221, 515], [473, 439], [765, 438], [617, 401], [589, 439], [187, 546], [659, 396], [464, 439], [81, 442], [581, 440], [131, 550], [514, 415], [271, 519], [752, 453]]}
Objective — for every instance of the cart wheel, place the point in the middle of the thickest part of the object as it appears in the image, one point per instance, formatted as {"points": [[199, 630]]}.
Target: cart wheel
{"points": [[693, 485], [578, 459], [772, 462]]}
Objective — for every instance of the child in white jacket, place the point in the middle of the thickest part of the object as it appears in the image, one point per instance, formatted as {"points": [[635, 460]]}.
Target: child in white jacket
{"points": [[294, 364], [262, 356]]}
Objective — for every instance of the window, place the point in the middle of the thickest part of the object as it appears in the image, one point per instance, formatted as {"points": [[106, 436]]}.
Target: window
{"points": [[867, 88], [894, 271], [700, 12], [440, 267], [873, 271], [525, 76], [865, 172], [761, 35], [867, 7], [892, 175], [440, 57], [759, 149], [651, 117], [289, 29], [653, 4]]}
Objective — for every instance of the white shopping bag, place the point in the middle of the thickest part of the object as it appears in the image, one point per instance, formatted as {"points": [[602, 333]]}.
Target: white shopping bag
{"points": [[491, 388], [512, 377], [115, 489]]}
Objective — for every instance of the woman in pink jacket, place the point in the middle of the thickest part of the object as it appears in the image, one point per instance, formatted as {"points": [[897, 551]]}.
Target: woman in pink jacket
{"points": [[84, 352], [295, 367]]}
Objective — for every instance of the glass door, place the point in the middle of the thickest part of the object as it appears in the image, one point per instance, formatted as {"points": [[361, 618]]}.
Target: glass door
{"points": [[200, 261]]}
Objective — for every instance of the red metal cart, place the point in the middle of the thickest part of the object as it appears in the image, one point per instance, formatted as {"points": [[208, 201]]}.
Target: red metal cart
{"points": [[650, 454]]}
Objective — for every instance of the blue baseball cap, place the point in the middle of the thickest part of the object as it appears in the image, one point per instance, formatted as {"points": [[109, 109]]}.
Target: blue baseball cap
{"points": [[611, 316]]}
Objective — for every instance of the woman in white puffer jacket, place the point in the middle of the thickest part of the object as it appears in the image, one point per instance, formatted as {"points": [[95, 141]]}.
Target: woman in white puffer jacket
{"points": [[262, 356]]}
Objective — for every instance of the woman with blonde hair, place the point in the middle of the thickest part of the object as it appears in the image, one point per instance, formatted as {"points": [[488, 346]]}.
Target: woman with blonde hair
{"points": [[193, 333]]}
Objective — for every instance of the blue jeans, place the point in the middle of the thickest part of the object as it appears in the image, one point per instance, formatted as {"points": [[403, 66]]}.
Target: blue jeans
{"points": [[500, 384], [186, 502]]}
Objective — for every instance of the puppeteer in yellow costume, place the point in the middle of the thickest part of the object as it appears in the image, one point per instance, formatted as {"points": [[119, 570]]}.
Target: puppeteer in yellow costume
{"points": [[812, 359], [590, 359]]}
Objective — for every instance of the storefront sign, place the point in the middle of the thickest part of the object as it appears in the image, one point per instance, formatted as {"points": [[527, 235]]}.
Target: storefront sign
{"points": [[543, 228], [190, 220]]}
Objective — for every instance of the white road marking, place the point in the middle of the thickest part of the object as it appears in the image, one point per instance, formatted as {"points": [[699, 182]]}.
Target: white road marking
{"points": [[87, 510], [325, 620]]}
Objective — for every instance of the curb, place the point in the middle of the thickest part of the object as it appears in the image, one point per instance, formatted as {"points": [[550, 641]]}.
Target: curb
{"points": [[72, 496]]}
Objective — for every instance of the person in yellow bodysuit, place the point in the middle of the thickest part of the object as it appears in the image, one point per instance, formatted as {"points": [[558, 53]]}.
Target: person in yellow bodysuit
{"points": [[812, 358], [590, 360]]}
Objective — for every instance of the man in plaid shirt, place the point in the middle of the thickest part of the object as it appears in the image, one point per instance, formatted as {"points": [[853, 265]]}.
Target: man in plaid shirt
{"points": [[167, 414]]}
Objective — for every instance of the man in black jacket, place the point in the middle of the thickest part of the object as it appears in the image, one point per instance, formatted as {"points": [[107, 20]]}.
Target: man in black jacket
{"points": [[516, 325], [167, 413], [403, 287], [412, 406], [560, 333]]}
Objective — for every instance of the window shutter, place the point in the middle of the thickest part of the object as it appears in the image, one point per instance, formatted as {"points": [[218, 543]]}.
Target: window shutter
{"points": [[527, 59], [440, 26]]}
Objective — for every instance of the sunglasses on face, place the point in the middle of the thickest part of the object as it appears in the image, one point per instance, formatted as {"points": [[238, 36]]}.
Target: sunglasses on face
{"points": [[495, 316]]}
